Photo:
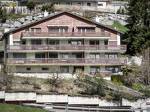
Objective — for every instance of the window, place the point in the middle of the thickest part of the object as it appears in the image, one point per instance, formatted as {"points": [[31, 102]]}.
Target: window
{"points": [[94, 42], [64, 69], [112, 69], [16, 42], [28, 68], [94, 69], [77, 55], [36, 42], [64, 56], [100, 4], [53, 42], [88, 4], [19, 55], [80, 29], [69, 3], [105, 42], [45, 69], [95, 56], [53, 29], [57, 29], [23, 42], [86, 29], [38, 30], [39, 55], [111, 56], [90, 29], [53, 55], [75, 42], [79, 3], [63, 29]]}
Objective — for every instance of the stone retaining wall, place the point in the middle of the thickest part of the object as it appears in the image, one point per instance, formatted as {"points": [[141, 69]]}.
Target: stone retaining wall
{"points": [[32, 97]]}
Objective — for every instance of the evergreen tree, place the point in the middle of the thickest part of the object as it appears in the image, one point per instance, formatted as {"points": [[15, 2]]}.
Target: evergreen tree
{"points": [[49, 7], [138, 35], [31, 5], [3, 15]]}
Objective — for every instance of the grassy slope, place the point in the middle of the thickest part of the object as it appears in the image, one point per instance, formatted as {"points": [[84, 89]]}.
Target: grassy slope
{"points": [[119, 26], [18, 108]]}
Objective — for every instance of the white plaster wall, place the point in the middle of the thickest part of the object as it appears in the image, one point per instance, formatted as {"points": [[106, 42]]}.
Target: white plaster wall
{"points": [[106, 103], [52, 98], [118, 39], [38, 69], [83, 100], [20, 96], [107, 78], [45, 75], [34, 69], [11, 39], [104, 5], [2, 94]]}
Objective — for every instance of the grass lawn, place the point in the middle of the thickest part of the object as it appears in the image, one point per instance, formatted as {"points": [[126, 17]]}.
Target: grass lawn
{"points": [[119, 26], [18, 108]]}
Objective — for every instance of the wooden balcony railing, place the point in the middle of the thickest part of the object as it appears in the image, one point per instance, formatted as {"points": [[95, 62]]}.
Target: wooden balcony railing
{"points": [[66, 47], [65, 34], [82, 61]]}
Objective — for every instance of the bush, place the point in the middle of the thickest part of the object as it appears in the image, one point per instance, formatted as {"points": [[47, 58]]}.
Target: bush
{"points": [[30, 5], [117, 79], [94, 86], [36, 86], [137, 86], [146, 91]]}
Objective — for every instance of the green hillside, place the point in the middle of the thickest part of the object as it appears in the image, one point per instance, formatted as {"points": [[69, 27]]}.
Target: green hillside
{"points": [[17, 108]]}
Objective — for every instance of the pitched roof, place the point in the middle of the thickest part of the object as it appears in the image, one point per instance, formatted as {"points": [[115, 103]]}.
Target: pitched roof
{"points": [[58, 14]]}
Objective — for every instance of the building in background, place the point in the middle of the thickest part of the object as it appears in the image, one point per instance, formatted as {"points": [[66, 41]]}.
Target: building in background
{"points": [[94, 5], [64, 43]]}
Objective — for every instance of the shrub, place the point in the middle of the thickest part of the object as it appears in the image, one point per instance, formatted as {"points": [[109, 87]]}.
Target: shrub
{"points": [[146, 91], [36, 86], [117, 79], [94, 86], [137, 86]]}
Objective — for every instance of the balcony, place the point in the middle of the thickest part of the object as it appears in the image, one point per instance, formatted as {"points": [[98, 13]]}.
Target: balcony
{"points": [[65, 34], [102, 48], [78, 61]]}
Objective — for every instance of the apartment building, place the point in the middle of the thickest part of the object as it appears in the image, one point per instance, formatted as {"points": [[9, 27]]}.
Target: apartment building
{"points": [[64, 43], [78, 3]]}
